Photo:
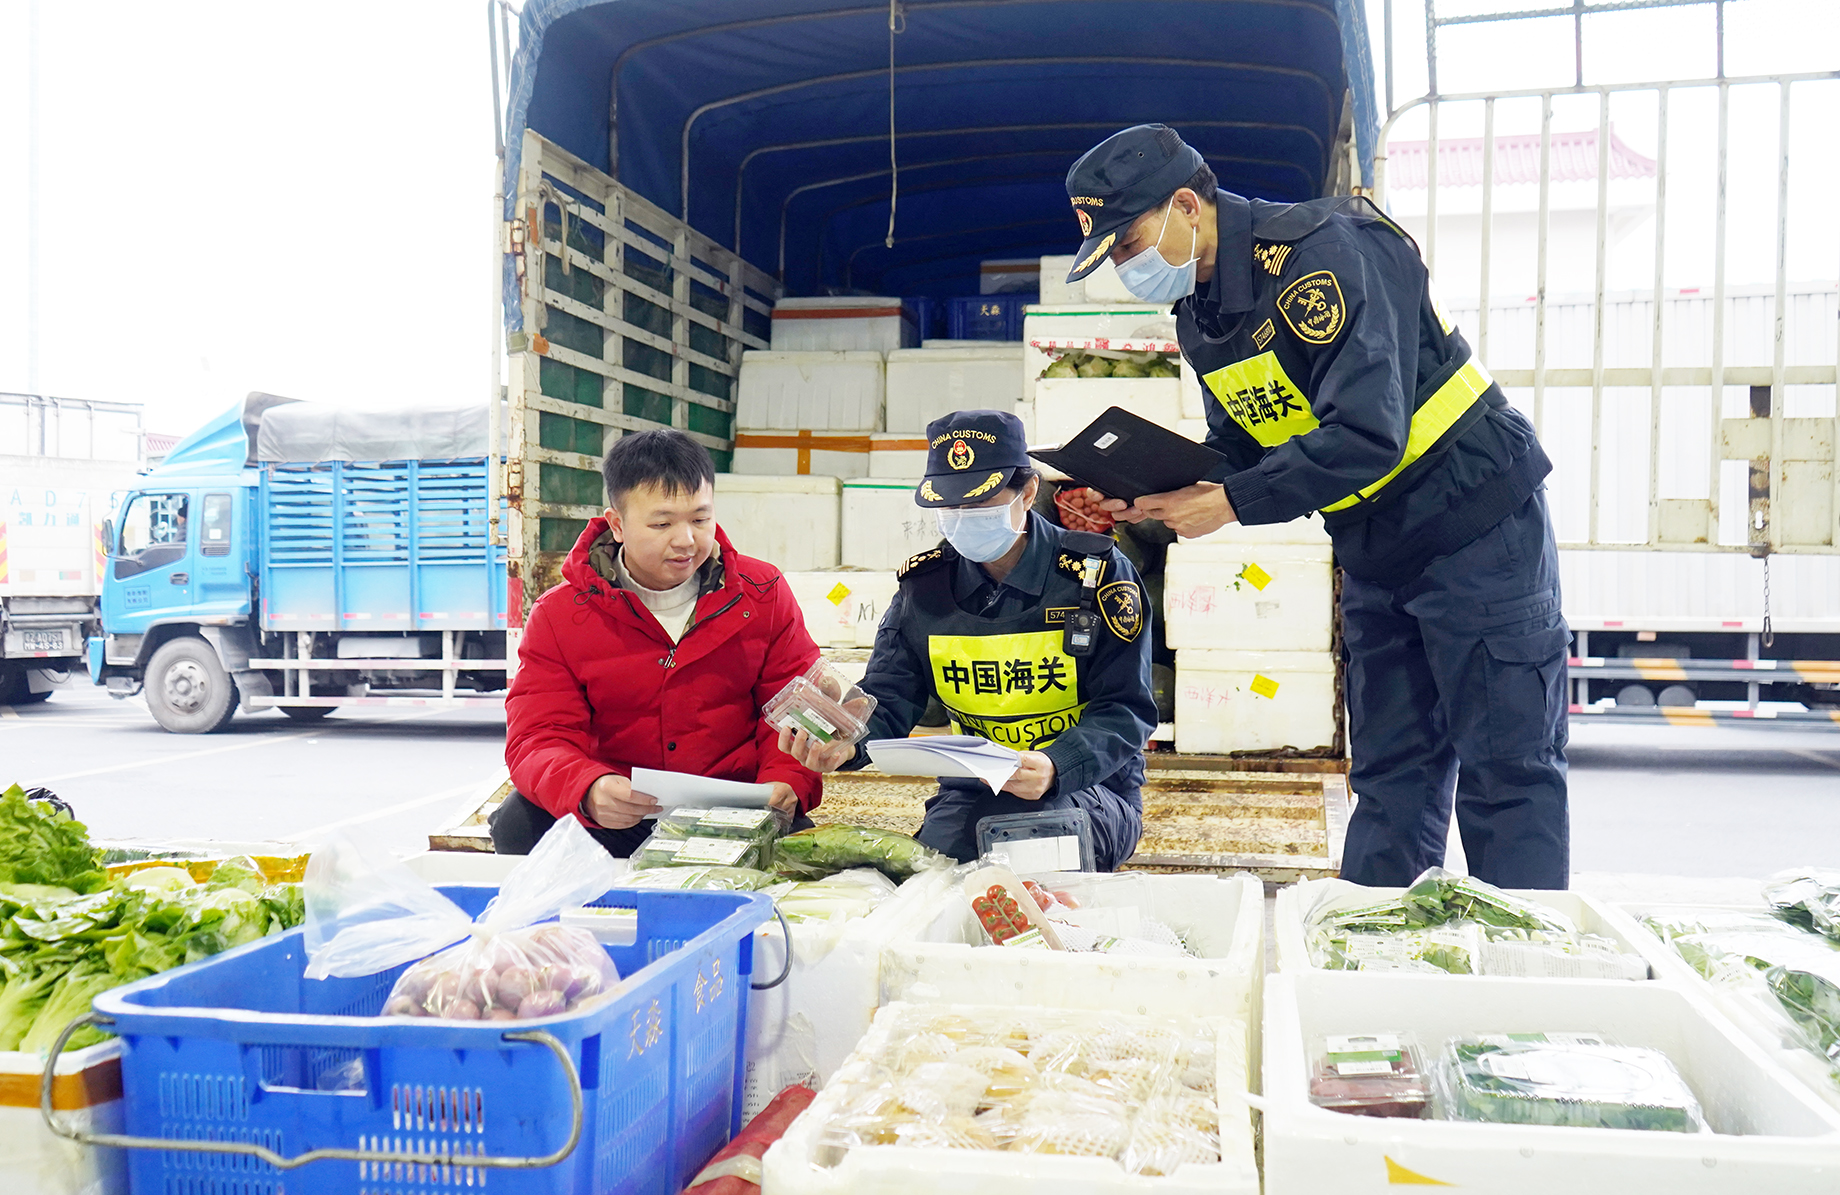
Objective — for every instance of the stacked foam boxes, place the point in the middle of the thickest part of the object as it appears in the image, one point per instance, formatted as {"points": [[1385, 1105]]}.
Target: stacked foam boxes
{"points": [[1250, 613]]}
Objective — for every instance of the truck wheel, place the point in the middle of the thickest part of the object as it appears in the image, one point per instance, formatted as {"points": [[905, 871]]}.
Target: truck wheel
{"points": [[188, 691], [306, 713]]}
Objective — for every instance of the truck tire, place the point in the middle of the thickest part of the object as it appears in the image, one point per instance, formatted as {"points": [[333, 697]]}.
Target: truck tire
{"points": [[306, 713], [188, 690]]}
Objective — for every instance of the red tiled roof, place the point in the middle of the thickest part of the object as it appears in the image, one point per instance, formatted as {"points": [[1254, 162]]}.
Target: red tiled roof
{"points": [[1517, 160]]}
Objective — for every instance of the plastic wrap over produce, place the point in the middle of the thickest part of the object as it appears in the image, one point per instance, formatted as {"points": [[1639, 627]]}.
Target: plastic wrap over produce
{"points": [[1788, 974], [364, 918], [1137, 1090], [1576, 1080], [1457, 925]]}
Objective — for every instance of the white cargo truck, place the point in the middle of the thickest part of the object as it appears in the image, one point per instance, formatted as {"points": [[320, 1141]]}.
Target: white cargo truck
{"points": [[60, 460]]}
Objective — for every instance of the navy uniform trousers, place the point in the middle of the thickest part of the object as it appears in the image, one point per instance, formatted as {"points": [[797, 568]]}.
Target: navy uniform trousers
{"points": [[1457, 691]]}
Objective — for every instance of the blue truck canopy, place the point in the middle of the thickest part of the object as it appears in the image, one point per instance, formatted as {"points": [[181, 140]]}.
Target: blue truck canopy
{"points": [[782, 112]]}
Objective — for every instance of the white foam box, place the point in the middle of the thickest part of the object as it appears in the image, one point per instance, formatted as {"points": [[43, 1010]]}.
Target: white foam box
{"points": [[927, 383], [843, 606], [1101, 286], [1192, 429], [810, 390], [881, 525], [1249, 596], [789, 522], [1254, 701], [894, 454], [85, 1094], [1769, 1134], [1126, 319], [1295, 903], [1307, 531], [803, 453], [801, 1030], [871, 323], [1222, 918], [1009, 275], [792, 1164], [1064, 406]]}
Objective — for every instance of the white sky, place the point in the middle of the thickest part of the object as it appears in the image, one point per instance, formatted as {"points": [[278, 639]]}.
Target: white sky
{"points": [[295, 197]]}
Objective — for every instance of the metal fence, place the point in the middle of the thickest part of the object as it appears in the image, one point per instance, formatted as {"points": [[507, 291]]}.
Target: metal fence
{"points": [[1790, 498]]}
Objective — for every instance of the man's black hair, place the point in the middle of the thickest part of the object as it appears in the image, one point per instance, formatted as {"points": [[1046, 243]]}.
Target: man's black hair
{"points": [[665, 458], [1202, 183]]}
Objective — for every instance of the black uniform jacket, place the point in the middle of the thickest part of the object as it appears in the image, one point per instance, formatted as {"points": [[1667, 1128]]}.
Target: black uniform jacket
{"points": [[1339, 297]]}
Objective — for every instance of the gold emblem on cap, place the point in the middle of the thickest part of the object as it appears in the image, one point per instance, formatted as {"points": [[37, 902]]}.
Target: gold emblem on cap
{"points": [[960, 456], [1085, 221], [928, 492], [1099, 251], [984, 487]]}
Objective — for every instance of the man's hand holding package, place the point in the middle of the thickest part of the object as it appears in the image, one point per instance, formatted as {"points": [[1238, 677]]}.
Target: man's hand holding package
{"points": [[611, 802], [813, 753], [1190, 511]]}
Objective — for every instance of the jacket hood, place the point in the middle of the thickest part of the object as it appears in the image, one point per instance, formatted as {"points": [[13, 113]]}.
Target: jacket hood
{"points": [[579, 572]]}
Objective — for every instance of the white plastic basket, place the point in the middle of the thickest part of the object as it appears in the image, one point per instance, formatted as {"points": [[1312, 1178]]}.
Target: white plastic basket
{"points": [[1770, 1134], [791, 1165]]}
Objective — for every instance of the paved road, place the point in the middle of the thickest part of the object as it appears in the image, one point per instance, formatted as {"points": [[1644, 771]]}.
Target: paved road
{"points": [[1663, 800], [384, 775]]}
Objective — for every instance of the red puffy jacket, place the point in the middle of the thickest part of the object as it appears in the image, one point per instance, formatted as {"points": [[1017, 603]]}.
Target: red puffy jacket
{"points": [[601, 689]]}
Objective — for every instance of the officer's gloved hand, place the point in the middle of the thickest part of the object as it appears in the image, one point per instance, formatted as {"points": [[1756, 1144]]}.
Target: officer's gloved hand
{"points": [[809, 752]]}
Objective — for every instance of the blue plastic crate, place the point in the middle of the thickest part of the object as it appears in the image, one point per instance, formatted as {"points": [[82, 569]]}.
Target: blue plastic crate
{"points": [[987, 317], [243, 1047]]}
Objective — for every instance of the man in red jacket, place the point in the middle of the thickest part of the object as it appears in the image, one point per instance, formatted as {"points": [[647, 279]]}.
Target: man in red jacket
{"points": [[657, 651]]}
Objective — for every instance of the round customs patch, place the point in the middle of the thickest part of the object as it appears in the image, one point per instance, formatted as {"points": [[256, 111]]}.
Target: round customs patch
{"points": [[960, 456], [1122, 604], [1085, 221], [1313, 307]]}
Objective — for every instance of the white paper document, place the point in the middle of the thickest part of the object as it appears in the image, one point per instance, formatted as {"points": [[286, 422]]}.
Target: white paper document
{"points": [[674, 789], [946, 755]]}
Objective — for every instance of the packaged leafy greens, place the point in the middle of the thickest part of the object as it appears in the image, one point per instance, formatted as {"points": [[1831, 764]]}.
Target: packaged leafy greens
{"points": [[663, 851], [1576, 1080], [755, 825], [1448, 949], [823, 850], [704, 879], [1809, 898]]}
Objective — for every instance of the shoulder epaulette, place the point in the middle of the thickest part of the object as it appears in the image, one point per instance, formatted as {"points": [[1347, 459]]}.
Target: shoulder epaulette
{"points": [[921, 562], [1074, 565]]}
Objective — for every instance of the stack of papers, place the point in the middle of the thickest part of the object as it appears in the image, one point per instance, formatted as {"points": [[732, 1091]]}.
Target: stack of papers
{"points": [[674, 789], [946, 755]]}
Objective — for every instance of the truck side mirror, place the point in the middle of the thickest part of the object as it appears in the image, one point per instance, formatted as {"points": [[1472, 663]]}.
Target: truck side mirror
{"points": [[108, 538]]}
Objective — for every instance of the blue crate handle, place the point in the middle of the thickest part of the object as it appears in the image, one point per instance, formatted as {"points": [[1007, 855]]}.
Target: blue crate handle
{"points": [[432, 1158]]}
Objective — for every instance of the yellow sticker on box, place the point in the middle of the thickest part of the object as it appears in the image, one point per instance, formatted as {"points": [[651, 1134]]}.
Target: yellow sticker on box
{"points": [[1263, 685], [1258, 577], [838, 592]]}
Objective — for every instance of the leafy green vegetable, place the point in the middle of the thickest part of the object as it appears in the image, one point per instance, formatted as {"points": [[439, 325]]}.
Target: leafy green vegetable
{"points": [[1438, 897], [1574, 1080], [36, 848], [708, 879], [1809, 898], [824, 850], [68, 933]]}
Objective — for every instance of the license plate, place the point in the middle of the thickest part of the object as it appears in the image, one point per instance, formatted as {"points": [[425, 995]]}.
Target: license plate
{"points": [[46, 640]]}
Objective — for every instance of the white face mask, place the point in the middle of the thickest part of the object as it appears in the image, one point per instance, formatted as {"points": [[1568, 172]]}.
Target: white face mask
{"points": [[1149, 275], [980, 533]]}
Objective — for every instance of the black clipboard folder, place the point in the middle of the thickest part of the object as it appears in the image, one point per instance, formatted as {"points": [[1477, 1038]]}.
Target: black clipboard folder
{"points": [[1125, 456]]}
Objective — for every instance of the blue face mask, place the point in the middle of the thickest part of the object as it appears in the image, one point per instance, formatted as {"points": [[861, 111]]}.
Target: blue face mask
{"points": [[980, 533], [1151, 278]]}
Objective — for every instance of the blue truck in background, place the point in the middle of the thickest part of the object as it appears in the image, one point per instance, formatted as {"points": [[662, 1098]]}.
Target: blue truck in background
{"points": [[307, 557]]}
